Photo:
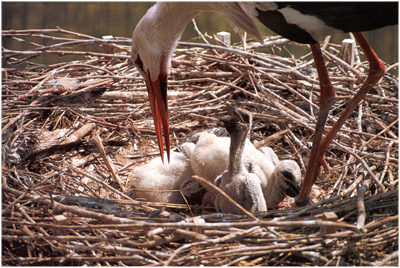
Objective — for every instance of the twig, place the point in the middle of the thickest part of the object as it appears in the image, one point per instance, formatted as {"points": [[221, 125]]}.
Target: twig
{"points": [[97, 142], [61, 208], [388, 258], [103, 183], [360, 204]]}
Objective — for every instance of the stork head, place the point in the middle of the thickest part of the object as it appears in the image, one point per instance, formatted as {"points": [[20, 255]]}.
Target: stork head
{"points": [[151, 53], [240, 120], [156, 83]]}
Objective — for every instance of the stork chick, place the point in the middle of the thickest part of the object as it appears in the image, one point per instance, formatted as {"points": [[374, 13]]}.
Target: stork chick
{"points": [[210, 157], [285, 180], [159, 182], [237, 182]]}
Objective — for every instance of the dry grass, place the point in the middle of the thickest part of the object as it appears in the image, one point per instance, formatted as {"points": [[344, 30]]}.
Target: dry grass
{"points": [[72, 133]]}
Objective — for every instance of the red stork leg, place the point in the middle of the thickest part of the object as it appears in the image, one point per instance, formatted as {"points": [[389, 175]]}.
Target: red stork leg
{"points": [[327, 96], [376, 71]]}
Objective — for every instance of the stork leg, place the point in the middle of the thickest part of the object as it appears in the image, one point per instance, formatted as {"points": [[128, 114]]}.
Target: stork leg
{"points": [[376, 71], [327, 96]]}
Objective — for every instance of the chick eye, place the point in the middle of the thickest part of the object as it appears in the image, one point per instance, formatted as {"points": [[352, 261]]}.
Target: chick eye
{"points": [[289, 178], [139, 63]]}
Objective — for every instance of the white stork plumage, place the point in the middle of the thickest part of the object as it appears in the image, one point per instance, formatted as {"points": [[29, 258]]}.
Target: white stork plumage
{"points": [[156, 37]]}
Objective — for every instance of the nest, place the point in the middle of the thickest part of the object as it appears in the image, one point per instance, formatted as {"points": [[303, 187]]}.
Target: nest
{"points": [[74, 131]]}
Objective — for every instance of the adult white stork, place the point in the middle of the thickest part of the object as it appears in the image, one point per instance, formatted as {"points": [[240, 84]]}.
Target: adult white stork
{"points": [[156, 37]]}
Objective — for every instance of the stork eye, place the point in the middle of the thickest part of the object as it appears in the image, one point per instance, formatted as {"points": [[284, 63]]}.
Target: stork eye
{"points": [[139, 64]]}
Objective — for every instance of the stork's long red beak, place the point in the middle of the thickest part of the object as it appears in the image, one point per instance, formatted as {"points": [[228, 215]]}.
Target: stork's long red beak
{"points": [[159, 107]]}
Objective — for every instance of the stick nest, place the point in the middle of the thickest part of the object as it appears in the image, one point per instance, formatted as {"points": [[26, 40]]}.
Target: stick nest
{"points": [[74, 131]]}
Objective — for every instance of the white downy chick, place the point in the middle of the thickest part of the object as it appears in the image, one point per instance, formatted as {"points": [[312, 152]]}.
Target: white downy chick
{"points": [[166, 179], [237, 182]]}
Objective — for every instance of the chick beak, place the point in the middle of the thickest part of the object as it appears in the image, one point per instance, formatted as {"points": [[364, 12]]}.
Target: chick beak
{"points": [[159, 107], [293, 188], [236, 116]]}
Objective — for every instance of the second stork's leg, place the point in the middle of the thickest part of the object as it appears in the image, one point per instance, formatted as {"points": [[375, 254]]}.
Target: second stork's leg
{"points": [[327, 96]]}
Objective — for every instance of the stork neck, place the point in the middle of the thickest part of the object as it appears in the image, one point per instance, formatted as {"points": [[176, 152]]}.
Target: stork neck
{"points": [[238, 138], [157, 33], [169, 19]]}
